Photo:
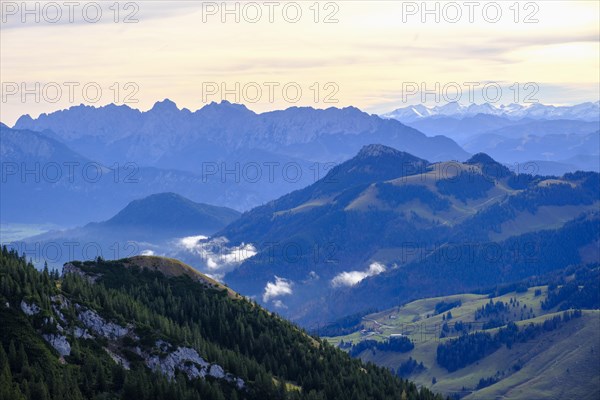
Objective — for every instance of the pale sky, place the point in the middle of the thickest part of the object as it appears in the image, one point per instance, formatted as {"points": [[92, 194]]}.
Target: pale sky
{"points": [[369, 58]]}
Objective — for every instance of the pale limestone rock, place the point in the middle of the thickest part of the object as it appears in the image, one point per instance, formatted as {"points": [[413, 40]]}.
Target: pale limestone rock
{"points": [[81, 333], [97, 324], [188, 361], [60, 343], [29, 309]]}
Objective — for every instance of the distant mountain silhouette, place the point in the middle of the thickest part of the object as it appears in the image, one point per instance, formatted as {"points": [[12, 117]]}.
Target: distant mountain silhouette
{"points": [[515, 133], [152, 223], [168, 137], [172, 212], [583, 112], [45, 181]]}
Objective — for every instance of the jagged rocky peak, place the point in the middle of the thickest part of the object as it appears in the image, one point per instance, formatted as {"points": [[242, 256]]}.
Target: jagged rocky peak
{"points": [[165, 105], [224, 106]]}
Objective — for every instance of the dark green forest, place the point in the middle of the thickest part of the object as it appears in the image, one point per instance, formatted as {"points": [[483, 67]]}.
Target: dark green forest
{"points": [[398, 344], [276, 359], [583, 291], [467, 349]]}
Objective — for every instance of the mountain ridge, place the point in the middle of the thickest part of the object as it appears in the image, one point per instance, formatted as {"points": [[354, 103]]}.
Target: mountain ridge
{"points": [[153, 225], [110, 330], [584, 111], [370, 218], [295, 131]]}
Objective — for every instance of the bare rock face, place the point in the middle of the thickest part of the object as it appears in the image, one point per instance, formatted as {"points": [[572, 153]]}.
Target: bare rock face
{"points": [[59, 343], [184, 358], [216, 371], [170, 360], [29, 309], [98, 325], [59, 302], [81, 333], [188, 361]]}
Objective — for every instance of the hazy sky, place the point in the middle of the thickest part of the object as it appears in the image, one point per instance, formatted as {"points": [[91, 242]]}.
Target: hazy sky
{"points": [[370, 54]]}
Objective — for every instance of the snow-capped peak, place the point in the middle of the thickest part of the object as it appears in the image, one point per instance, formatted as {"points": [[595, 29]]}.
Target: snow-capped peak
{"points": [[585, 111]]}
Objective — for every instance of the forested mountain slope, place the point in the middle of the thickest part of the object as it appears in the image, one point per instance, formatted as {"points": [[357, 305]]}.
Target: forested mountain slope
{"points": [[537, 339], [386, 226], [124, 330]]}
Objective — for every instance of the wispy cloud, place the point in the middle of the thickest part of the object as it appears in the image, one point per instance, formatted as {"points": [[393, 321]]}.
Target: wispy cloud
{"points": [[351, 278], [191, 242], [281, 287], [279, 304], [219, 256]]}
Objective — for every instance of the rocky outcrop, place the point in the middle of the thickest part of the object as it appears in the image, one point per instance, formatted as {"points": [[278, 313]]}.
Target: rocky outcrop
{"points": [[60, 344], [29, 309], [216, 371], [59, 302], [165, 358], [184, 358], [189, 362], [59, 314], [81, 333], [98, 325]]}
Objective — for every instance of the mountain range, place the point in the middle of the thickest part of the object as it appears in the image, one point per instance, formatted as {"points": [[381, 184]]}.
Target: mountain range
{"points": [[227, 154], [554, 140], [164, 135], [379, 229], [585, 111], [365, 227], [375, 223], [221, 154], [57, 185]]}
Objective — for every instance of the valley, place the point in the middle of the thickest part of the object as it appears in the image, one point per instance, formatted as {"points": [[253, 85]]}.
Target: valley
{"points": [[520, 371]]}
